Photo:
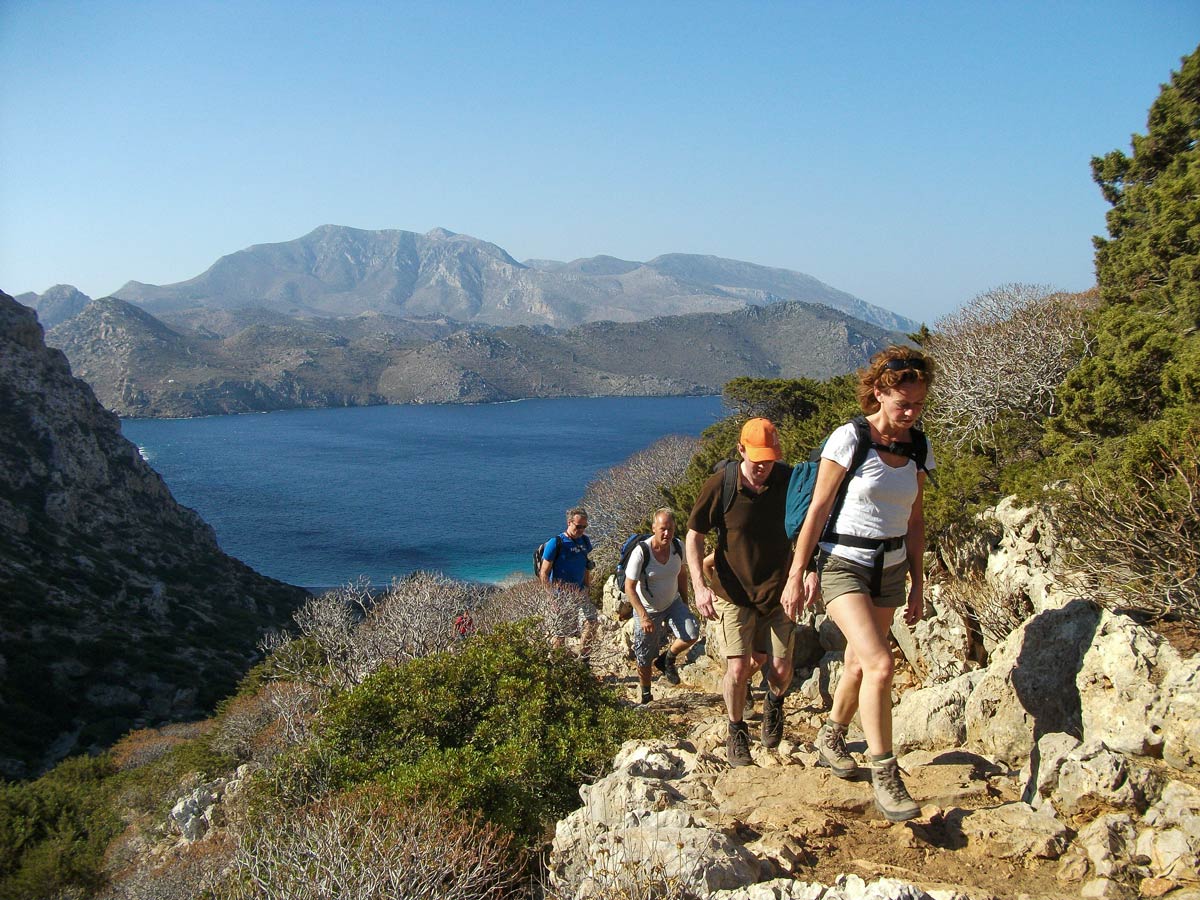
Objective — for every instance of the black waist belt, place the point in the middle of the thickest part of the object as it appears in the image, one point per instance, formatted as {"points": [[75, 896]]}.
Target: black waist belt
{"points": [[865, 543]]}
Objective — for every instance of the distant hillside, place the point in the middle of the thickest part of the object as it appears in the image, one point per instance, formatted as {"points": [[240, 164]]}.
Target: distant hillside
{"points": [[336, 271], [228, 361], [56, 305], [118, 606]]}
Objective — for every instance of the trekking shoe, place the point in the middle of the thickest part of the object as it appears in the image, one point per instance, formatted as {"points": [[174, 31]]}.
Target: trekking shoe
{"points": [[891, 796], [831, 745], [772, 721], [660, 662], [668, 669], [646, 698], [737, 747]]}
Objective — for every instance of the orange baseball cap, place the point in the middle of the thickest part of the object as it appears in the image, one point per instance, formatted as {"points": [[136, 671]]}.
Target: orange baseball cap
{"points": [[761, 440]]}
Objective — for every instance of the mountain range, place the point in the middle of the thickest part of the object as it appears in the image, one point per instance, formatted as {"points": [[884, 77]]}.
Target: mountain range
{"points": [[344, 316]]}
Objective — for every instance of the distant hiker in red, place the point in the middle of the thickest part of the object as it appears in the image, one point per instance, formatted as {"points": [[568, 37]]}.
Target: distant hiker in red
{"points": [[463, 624], [867, 552]]}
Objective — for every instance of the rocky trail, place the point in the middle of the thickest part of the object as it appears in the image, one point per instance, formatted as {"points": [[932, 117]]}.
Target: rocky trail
{"points": [[1068, 765]]}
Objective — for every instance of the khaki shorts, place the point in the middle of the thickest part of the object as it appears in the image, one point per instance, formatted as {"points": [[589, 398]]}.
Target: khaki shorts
{"points": [[744, 630], [843, 576]]}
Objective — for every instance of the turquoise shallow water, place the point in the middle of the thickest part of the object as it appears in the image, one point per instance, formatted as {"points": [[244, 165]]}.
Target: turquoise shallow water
{"points": [[321, 497]]}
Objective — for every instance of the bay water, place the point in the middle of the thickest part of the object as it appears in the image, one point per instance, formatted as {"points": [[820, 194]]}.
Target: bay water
{"points": [[321, 497]]}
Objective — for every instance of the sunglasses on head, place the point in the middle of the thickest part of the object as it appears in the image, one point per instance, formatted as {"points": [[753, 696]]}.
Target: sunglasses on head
{"points": [[900, 365]]}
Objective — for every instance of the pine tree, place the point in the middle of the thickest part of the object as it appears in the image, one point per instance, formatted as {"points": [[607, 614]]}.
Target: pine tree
{"points": [[1146, 363]]}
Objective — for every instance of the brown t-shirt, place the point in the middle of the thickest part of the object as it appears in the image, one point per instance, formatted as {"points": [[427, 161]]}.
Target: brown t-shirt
{"points": [[753, 549]]}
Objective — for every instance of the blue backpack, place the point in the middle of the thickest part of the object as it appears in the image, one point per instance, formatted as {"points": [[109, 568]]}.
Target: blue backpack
{"points": [[804, 475]]}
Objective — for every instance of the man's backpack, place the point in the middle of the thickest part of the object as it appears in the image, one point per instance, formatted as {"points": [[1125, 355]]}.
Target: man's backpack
{"points": [[729, 486], [541, 549], [804, 475]]}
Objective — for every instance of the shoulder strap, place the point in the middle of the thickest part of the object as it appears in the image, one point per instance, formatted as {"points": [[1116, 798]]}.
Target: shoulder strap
{"points": [[862, 446], [729, 486]]}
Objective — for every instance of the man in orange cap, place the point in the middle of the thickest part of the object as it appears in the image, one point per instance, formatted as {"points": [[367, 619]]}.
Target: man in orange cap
{"points": [[753, 554]]}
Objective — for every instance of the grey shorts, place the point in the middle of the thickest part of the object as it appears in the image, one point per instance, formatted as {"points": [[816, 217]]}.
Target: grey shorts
{"points": [[843, 576], [676, 620]]}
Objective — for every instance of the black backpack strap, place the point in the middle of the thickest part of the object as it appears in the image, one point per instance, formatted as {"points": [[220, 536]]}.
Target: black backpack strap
{"points": [[729, 486], [862, 446]]}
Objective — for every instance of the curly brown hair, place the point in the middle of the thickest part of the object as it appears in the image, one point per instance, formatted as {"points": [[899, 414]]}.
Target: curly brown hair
{"points": [[889, 368]]}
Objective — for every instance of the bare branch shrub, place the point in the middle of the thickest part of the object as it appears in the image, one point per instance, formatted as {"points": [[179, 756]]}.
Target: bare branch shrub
{"points": [[620, 500], [367, 845], [414, 618], [1136, 538], [995, 609], [1002, 357], [529, 599], [260, 725]]}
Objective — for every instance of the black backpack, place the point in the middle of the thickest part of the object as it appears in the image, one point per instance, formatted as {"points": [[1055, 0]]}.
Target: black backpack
{"points": [[627, 551], [541, 549]]}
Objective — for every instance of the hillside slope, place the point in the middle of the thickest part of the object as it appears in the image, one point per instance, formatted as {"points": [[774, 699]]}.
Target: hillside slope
{"points": [[118, 605]]}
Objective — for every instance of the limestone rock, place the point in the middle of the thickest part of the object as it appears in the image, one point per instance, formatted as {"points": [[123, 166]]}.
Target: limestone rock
{"points": [[1017, 830], [933, 717]]}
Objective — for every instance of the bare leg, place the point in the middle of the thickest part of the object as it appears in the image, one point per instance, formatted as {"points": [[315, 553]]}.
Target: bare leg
{"points": [[865, 627], [737, 676]]}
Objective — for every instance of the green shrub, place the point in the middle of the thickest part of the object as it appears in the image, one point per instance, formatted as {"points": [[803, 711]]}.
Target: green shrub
{"points": [[504, 726], [53, 831]]}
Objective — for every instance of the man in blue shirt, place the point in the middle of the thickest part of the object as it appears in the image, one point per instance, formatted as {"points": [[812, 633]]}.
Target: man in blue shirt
{"points": [[566, 568]]}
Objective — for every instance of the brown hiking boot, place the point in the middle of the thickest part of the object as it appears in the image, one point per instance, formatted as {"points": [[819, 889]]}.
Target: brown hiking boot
{"points": [[831, 745], [737, 746], [891, 796], [772, 721]]}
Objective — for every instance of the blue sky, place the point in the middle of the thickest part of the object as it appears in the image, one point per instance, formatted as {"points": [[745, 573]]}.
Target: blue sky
{"points": [[912, 154]]}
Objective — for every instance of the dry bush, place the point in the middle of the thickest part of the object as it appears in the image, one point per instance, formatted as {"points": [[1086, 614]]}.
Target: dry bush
{"points": [[185, 872], [621, 500], [558, 610], [414, 618], [355, 630], [366, 845], [1002, 357], [141, 747], [995, 610], [1136, 539], [260, 725]]}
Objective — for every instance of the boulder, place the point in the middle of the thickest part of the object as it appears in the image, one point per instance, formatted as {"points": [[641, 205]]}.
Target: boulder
{"points": [[1016, 831], [933, 717], [1178, 715]]}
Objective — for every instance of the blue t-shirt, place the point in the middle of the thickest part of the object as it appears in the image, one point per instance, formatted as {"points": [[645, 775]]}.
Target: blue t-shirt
{"points": [[570, 560]]}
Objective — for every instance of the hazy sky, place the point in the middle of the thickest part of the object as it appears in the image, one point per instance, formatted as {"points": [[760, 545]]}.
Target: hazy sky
{"points": [[911, 154]]}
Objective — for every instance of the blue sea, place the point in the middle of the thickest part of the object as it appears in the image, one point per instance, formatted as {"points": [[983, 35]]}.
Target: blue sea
{"points": [[320, 497]]}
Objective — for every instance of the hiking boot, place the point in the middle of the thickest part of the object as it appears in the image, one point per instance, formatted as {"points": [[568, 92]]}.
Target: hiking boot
{"points": [[660, 662], [831, 745], [772, 721], [737, 746], [646, 698], [891, 796], [670, 672]]}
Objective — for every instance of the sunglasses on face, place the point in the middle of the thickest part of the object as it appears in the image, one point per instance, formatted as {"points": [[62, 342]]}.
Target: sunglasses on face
{"points": [[900, 365]]}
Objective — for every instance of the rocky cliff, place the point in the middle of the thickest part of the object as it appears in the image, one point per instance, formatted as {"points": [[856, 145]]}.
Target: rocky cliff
{"points": [[118, 606]]}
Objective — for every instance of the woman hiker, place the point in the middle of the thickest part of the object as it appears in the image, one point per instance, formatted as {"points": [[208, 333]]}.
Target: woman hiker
{"points": [[865, 555]]}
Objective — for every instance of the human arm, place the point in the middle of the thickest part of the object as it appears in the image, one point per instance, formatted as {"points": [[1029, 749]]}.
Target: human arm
{"points": [[800, 591], [694, 547], [635, 601], [914, 547]]}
